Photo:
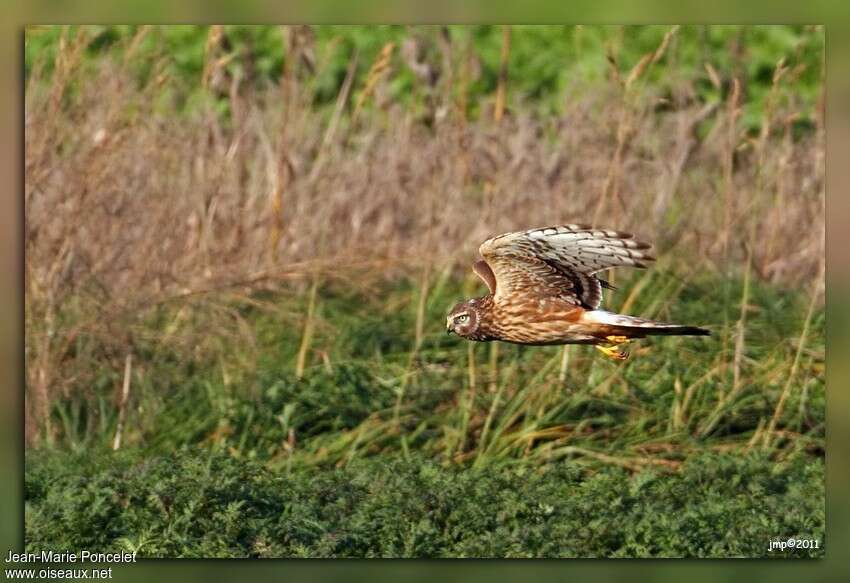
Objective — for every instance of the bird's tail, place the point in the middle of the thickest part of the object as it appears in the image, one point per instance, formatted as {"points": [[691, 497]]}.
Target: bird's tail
{"points": [[633, 327]]}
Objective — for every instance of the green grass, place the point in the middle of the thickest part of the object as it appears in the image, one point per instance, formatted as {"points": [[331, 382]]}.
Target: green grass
{"points": [[366, 390], [543, 65], [381, 449]]}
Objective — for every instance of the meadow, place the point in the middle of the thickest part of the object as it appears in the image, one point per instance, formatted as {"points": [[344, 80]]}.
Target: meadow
{"points": [[242, 242]]}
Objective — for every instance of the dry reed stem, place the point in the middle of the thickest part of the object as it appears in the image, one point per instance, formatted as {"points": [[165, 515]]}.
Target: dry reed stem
{"points": [[470, 365], [729, 145], [665, 42], [307, 334], [421, 304], [733, 111], [418, 336], [122, 405], [211, 62], [767, 114], [501, 87], [633, 463], [713, 76], [485, 431], [677, 419], [637, 70], [741, 331], [341, 100], [376, 73], [135, 42], [469, 403], [565, 362], [757, 435], [726, 398]]}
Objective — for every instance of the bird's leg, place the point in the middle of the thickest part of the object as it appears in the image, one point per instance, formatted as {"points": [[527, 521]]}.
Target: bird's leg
{"points": [[611, 350]]}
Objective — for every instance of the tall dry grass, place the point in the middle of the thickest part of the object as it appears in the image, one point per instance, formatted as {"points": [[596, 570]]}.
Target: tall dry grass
{"points": [[131, 202]]}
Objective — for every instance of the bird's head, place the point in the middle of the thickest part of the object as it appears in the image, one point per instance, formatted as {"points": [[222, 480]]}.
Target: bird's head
{"points": [[464, 319]]}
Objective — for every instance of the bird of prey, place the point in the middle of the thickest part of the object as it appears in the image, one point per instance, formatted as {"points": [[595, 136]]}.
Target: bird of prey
{"points": [[544, 290]]}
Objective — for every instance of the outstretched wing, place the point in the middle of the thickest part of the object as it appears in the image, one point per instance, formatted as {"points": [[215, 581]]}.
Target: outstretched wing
{"points": [[560, 261]]}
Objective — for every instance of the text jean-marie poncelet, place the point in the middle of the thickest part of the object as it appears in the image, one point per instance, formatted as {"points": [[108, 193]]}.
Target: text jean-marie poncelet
{"points": [[82, 556]]}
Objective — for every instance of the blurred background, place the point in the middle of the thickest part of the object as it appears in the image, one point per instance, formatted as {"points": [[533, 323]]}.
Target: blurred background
{"points": [[241, 242]]}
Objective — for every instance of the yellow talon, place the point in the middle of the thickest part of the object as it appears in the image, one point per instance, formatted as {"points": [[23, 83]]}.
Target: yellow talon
{"points": [[612, 352], [615, 340]]}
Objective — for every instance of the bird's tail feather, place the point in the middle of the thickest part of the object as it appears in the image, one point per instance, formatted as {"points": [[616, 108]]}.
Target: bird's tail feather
{"points": [[634, 326]]}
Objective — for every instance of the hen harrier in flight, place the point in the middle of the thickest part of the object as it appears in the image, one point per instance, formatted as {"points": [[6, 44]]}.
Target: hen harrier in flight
{"points": [[543, 290]]}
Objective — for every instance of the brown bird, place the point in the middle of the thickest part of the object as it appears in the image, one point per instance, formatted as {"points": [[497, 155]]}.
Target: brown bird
{"points": [[544, 290]]}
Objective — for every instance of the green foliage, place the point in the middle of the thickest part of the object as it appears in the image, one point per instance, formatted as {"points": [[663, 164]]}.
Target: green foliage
{"points": [[546, 65], [207, 505]]}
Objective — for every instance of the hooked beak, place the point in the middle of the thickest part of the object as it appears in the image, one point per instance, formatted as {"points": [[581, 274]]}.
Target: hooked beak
{"points": [[449, 328]]}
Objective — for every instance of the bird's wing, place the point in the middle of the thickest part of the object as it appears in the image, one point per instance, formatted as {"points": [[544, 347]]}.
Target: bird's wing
{"points": [[483, 271], [560, 261]]}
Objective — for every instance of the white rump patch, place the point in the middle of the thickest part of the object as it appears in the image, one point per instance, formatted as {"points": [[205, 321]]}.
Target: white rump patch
{"points": [[612, 319]]}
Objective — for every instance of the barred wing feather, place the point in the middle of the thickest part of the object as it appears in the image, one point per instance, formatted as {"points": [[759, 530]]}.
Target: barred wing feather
{"points": [[560, 261]]}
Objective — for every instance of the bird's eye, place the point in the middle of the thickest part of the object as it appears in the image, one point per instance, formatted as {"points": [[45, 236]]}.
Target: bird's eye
{"points": [[463, 318]]}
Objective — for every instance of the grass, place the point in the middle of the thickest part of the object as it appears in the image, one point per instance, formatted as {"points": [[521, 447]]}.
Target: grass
{"points": [[236, 294], [541, 63], [357, 391]]}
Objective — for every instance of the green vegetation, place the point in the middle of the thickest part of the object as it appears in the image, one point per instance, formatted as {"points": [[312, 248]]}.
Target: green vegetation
{"points": [[544, 63], [242, 243], [197, 504]]}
